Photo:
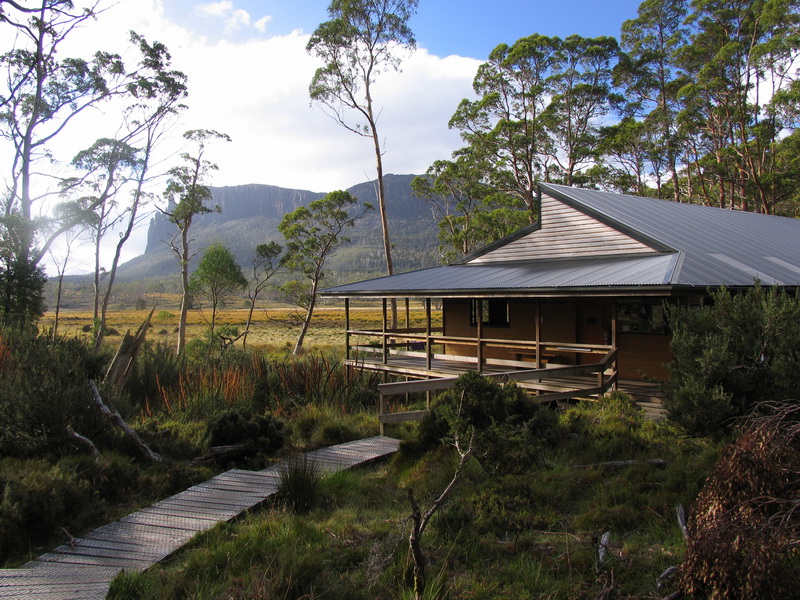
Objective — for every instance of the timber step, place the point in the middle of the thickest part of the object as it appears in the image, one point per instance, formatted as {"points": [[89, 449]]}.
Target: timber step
{"points": [[84, 568]]}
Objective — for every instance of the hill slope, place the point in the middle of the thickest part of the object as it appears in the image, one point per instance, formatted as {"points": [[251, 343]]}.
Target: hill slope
{"points": [[250, 215]]}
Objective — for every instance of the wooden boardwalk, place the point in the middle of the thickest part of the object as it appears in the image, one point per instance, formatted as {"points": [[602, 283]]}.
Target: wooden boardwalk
{"points": [[84, 569]]}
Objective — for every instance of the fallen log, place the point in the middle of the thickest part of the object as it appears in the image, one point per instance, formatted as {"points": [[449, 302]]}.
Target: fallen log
{"points": [[615, 465], [117, 418], [229, 452]]}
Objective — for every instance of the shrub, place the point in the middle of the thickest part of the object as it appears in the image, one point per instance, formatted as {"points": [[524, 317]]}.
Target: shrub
{"points": [[728, 357], [508, 426], [44, 389], [234, 427]]}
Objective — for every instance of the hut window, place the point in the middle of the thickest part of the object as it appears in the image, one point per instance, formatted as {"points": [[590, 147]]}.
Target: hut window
{"points": [[641, 316], [493, 312]]}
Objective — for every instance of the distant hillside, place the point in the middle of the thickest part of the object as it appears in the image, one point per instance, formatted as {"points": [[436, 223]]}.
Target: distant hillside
{"points": [[250, 215]]}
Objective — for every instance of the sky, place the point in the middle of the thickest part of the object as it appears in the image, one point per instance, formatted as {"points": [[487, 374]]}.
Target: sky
{"points": [[248, 75]]}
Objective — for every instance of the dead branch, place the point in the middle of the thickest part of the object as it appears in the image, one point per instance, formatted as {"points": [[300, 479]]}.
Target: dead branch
{"points": [[120, 367], [420, 520], [117, 418], [83, 441]]}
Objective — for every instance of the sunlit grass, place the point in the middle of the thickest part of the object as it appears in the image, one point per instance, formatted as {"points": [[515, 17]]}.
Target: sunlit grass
{"points": [[274, 328]]}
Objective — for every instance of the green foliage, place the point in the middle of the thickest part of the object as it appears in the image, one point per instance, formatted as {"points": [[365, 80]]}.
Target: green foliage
{"points": [[613, 428], [509, 429], [299, 486], [21, 288], [234, 427], [741, 350], [217, 277], [43, 390]]}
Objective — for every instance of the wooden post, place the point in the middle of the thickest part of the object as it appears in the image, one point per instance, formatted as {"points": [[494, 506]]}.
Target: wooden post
{"points": [[384, 337], [538, 329], [428, 349], [408, 314], [479, 349], [381, 409], [347, 328]]}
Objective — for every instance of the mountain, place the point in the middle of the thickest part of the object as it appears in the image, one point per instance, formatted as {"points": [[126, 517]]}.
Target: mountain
{"points": [[250, 215]]}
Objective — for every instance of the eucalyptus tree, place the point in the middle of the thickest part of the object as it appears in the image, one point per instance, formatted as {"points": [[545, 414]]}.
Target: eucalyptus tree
{"points": [[189, 196], [470, 212], [741, 59], [266, 262], [312, 233], [44, 95], [362, 39], [503, 127], [105, 168], [581, 94], [217, 277], [650, 78]]}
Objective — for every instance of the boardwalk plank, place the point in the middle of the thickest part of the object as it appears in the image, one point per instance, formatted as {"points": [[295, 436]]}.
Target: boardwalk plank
{"points": [[84, 571]]}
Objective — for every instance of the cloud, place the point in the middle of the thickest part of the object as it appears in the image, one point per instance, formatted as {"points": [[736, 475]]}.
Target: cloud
{"points": [[256, 91], [234, 18]]}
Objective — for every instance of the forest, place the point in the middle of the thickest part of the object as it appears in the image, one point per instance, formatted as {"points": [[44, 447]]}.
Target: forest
{"points": [[490, 495]]}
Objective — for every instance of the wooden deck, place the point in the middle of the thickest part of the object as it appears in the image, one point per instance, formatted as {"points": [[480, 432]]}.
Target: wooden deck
{"points": [[411, 367], [83, 570]]}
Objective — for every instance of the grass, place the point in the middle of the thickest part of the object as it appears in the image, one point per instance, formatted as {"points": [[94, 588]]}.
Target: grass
{"points": [[275, 328], [522, 535]]}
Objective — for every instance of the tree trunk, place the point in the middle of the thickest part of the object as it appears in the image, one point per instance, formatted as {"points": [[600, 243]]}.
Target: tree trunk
{"points": [[185, 288], [299, 345], [387, 246]]}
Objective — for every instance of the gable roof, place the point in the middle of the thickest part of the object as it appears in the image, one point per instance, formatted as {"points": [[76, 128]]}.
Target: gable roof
{"points": [[608, 243]]}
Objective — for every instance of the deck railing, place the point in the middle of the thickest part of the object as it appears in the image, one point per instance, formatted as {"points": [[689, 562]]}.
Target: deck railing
{"points": [[433, 345], [548, 384]]}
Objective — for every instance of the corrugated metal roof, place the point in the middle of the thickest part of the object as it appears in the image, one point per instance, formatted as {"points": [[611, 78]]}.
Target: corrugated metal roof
{"points": [[720, 247], [700, 247], [645, 270]]}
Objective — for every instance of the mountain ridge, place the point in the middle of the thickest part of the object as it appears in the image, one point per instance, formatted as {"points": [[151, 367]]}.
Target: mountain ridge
{"points": [[250, 215]]}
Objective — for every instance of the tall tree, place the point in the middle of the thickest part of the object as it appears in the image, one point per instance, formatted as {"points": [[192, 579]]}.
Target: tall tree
{"points": [[741, 59], [470, 212], [503, 127], [312, 233], [188, 196], [266, 262], [581, 94], [105, 168], [650, 78], [362, 39], [42, 97], [217, 277], [154, 101]]}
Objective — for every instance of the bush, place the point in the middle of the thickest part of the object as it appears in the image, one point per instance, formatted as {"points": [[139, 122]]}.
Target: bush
{"points": [[509, 427], [234, 427], [43, 389], [728, 357]]}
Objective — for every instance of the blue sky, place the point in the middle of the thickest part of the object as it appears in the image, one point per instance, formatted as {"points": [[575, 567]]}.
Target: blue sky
{"points": [[465, 27]]}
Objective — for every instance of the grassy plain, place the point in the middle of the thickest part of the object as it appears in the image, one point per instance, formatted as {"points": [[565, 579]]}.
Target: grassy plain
{"points": [[275, 327]]}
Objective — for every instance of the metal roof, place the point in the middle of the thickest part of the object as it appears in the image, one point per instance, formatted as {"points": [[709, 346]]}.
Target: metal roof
{"points": [[699, 247], [718, 246]]}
